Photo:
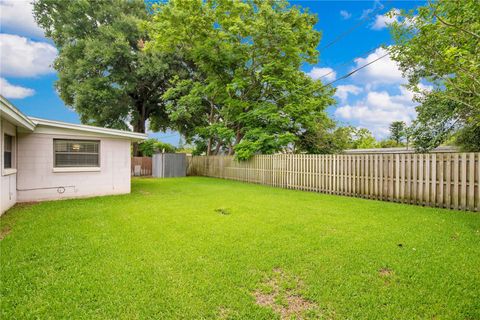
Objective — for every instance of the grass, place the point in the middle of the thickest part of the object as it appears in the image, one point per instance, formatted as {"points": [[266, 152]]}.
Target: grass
{"points": [[205, 248]]}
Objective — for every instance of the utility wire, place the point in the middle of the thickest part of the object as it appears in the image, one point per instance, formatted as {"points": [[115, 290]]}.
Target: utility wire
{"points": [[355, 70], [348, 62], [344, 76]]}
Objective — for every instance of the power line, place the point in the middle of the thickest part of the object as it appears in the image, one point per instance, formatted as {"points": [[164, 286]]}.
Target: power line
{"points": [[344, 76], [348, 62], [356, 70]]}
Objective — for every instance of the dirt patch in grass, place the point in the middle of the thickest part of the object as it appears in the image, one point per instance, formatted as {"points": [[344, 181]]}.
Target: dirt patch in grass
{"points": [[387, 275], [5, 231], [144, 193], [280, 292], [385, 272], [223, 211]]}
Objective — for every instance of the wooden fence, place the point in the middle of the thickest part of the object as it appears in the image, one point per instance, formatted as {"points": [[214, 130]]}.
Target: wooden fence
{"points": [[448, 180], [145, 164]]}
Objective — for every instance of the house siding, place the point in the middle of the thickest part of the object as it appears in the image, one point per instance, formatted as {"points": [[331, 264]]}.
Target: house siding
{"points": [[8, 182], [36, 179]]}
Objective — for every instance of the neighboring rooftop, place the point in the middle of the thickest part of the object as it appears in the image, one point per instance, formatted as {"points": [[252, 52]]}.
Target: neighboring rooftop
{"points": [[441, 149]]}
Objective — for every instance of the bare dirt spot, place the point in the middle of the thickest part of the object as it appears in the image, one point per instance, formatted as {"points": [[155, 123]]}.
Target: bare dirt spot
{"points": [[223, 211], [144, 193], [5, 231], [385, 272], [387, 275], [280, 292]]}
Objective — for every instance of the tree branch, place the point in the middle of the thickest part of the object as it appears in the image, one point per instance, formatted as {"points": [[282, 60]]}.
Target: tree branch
{"points": [[451, 24]]}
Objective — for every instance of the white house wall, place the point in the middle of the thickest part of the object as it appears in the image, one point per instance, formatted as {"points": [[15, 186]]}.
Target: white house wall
{"points": [[8, 181], [36, 179]]}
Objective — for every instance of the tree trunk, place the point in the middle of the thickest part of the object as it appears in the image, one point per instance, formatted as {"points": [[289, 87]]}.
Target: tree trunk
{"points": [[217, 149], [238, 138], [210, 122], [209, 146], [139, 126]]}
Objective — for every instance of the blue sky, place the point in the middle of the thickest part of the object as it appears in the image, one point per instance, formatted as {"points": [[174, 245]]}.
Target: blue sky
{"points": [[371, 98]]}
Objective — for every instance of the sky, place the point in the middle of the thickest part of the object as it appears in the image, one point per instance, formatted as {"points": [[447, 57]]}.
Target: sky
{"points": [[372, 98]]}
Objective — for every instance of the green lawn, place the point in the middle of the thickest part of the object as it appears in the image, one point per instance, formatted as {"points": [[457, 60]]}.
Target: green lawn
{"points": [[206, 248]]}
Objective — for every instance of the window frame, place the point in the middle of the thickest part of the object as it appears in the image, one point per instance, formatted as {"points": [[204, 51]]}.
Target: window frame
{"points": [[77, 168], [12, 153]]}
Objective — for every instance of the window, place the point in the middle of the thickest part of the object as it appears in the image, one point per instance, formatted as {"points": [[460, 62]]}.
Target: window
{"points": [[76, 153], [8, 151]]}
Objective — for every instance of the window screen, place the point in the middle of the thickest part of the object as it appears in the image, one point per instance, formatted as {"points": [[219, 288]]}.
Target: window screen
{"points": [[7, 151], [76, 153]]}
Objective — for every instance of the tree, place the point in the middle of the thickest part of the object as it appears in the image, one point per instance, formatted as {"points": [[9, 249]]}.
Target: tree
{"points": [[439, 45], [388, 143], [326, 140], [245, 92], [397, 131], [363, 139], [151, 146], [103, 72]]}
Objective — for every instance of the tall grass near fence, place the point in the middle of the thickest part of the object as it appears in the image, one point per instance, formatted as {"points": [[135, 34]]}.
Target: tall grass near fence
{"points": [[439, 180]]}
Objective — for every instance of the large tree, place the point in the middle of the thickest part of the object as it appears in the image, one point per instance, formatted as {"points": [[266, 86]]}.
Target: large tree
{"points": [[245, 92], [398, 131], [103, 72], [439, 44]]}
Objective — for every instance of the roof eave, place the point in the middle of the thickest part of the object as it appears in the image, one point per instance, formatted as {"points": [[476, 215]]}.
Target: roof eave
{"points": [[14, 115], [133, 136]]}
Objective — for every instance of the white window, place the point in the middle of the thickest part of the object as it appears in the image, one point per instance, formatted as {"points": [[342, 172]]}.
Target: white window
{"points": [[8, 147], [76, 153]]}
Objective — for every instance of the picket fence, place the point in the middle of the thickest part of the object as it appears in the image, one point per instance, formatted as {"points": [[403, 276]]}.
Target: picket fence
{"points": [[449, 180]]}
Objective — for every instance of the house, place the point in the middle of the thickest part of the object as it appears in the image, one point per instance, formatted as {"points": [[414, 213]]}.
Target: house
{"points": [[48, 160]]}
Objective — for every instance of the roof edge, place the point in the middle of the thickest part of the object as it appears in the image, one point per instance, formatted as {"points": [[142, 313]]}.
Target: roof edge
{"points": [[87, 128], [16, 114]]}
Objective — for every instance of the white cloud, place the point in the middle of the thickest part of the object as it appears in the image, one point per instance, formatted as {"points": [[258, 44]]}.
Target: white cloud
{"points": [[21, 57], [378, 109], [383, 71], [377, 5], [345, 14], [344, 90], [325, 73], [17, 16], [382, 21], [11, 91]]}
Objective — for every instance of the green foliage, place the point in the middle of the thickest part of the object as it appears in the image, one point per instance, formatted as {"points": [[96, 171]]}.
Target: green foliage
{"points": [[162, 252], [363, 139], [440, 44], [388, 143], [243, 92], [103, 72], [326, 140], [151, 146], [398, 132]]}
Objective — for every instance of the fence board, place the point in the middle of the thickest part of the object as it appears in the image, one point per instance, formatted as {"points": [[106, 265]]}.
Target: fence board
{"points": [[145, 164], [471, 182], [443, 180], [463, 184]]}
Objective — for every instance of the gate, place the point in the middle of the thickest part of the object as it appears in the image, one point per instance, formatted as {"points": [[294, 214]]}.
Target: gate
{"points": [[167, 165]]}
